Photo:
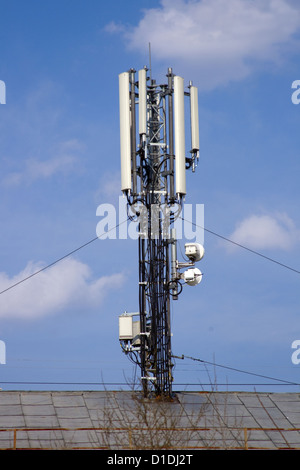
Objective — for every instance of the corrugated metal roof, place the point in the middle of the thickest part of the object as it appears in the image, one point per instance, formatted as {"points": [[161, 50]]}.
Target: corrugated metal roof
{"points": [[116, 420]]}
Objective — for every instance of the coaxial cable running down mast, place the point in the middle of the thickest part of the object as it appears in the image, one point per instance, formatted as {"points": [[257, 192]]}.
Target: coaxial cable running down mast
{"points": [[153, 179]]}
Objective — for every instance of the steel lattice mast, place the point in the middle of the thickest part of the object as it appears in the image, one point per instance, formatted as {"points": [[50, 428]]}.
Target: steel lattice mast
{"points": [[153, 167]]}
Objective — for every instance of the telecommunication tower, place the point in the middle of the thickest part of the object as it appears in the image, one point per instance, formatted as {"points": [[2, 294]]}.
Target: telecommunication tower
{"points": [[153, 179]]}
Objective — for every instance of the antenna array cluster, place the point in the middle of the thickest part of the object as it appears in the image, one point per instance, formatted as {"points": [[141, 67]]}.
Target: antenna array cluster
{"points": [[154, 162]]}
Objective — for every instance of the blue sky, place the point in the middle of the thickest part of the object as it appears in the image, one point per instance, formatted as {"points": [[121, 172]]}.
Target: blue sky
{"points": [[59, 160]]}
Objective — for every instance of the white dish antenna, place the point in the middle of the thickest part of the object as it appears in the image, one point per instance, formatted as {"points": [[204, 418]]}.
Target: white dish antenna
{"points": [[192, 276]]}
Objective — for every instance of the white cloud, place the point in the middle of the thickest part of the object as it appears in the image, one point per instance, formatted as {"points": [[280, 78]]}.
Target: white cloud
{"points": [[220, 40], [33, 146], [66, 284], [266, 232], [64, 161], [109, 186], [44, 169]]}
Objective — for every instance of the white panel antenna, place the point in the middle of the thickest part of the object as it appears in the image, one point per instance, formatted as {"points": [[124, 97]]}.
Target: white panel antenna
{"points": [[142, 102], [179, 131], [194, 119], [125, 140]]}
